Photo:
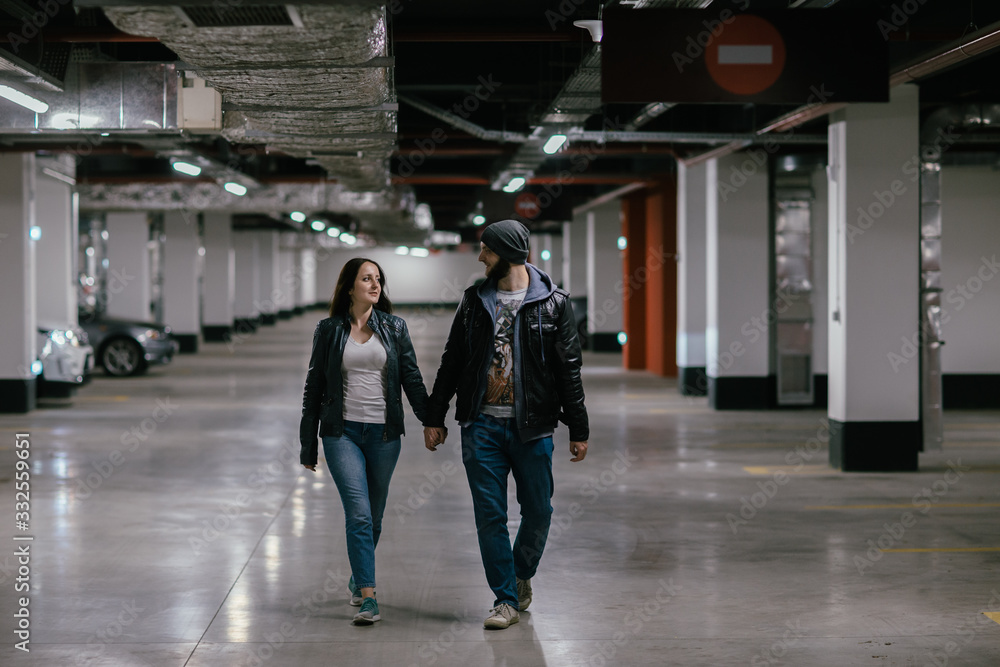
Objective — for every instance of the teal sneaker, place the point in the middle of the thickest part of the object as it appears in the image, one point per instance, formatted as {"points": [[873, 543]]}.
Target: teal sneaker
{"points": [[368, 613], [355, 593]]}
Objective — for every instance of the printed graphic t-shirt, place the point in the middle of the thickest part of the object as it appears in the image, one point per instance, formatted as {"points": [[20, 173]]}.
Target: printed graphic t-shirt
{"points": [[499, 398]]}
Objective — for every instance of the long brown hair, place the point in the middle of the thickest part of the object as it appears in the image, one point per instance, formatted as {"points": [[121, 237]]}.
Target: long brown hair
{"points": [[340, 302]]}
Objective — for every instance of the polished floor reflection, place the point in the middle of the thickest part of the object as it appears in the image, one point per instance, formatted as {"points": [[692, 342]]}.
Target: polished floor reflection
{"points": [[173, 526]]}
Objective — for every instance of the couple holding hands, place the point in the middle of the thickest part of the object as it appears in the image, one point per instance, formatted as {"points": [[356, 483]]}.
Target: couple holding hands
{"points": [[512, 356]]}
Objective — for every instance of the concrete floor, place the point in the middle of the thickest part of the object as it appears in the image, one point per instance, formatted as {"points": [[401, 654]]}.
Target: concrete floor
{"points": [[687, 537]]}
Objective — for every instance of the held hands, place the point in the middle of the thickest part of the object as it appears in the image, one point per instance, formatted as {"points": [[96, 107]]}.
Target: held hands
{"points": [[578, 450], [434, 436]]}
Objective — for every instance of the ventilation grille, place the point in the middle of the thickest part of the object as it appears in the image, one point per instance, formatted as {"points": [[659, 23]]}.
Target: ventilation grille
{"points": [[236, 16]]}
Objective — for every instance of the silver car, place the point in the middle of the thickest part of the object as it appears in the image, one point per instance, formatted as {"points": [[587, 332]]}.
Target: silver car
{"points": [[125, 347], [65, 359]]}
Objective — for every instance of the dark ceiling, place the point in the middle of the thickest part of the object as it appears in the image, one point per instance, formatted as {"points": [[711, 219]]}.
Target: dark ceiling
{"points": [[525, 50]]}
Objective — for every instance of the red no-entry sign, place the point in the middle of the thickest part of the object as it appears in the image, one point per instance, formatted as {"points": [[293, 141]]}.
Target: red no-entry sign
{"points": [[723, 55], [747, 57]]}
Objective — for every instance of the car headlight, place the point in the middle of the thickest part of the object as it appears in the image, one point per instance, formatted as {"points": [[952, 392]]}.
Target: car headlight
{"points": [[81, 336], [153, 334], [58, 337]]}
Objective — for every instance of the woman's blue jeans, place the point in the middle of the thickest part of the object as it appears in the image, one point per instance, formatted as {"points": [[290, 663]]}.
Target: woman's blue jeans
{"points": [[362, 463], [491, 450]]}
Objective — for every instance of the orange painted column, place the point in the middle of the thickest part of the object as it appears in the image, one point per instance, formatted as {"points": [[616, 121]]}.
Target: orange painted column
{"points": [[661, 279], [634, 280]]}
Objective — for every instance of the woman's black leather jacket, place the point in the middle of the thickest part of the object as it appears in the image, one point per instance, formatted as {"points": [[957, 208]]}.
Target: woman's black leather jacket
{"points": [[323, 397]]}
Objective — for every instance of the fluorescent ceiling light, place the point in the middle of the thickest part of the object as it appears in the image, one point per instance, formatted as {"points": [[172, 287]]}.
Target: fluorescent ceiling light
{"points": [[297, 216], [554, 143], [479, 220], [546, 255], [235, 188], [402, 250], [348, 238], [186, 168], [26, 101], [419, 252], [514, 184], [333, 231], [318, 225], [35, 232]]}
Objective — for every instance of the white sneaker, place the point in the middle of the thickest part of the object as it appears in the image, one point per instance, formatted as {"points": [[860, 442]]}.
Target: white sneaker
{"points": [[523, 594], [501, 616]]}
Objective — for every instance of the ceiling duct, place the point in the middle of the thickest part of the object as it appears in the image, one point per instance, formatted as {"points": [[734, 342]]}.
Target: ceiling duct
{"points": [[308, 79]]}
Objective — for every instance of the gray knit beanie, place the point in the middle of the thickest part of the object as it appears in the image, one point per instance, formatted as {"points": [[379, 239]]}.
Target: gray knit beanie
{"points": [[508, 239]]}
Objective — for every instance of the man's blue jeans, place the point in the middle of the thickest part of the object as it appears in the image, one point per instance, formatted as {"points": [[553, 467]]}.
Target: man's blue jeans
{"points": [[362, 463], [491, 449]]}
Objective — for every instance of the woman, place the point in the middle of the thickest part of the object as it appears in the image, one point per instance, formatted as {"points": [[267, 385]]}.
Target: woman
{"points": [[361, 357]]}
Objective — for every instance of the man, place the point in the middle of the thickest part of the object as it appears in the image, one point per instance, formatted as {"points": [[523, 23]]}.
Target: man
{"points": [[513, 357]]}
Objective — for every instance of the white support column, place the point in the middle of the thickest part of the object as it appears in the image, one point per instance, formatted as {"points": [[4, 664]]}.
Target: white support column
{"points": [[737, 344], [182, 277], [874, 262], [604, 276], [286, 275], [267, 276], [328, 266], [555, 262], [692, 199], [246, 295], [219, 286], [970, 278], [18, 346], [544, 257], [819, 212], [575, 258], [56, 249], [305, 262], [128, 289]]}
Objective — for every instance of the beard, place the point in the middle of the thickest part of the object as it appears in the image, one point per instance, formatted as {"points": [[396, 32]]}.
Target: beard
{"points": [[499, 271]]}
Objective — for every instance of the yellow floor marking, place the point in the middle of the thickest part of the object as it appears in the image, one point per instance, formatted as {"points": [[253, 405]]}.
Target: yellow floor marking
{"points": [[791, 470], [942, 550], [99, 399], [992, 615], [899, 506]]}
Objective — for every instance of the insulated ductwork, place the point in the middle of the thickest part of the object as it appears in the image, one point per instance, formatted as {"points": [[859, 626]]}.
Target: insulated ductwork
{"points": [[939, 130], [311, 80]]}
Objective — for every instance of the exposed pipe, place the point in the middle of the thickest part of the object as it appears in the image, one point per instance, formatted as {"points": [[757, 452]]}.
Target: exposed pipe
{"points": [[648, 113], [575, 179], [693, 137], [479, 35], [975, 44], [457, 121], [611, 196]]}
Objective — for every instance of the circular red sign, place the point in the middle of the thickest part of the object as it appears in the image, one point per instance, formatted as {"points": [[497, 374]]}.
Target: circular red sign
{"points": [[747, 57], [526, 205]]}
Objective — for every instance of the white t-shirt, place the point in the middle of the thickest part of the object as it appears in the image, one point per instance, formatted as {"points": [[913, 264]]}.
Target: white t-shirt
{"points": [[364, 368]]}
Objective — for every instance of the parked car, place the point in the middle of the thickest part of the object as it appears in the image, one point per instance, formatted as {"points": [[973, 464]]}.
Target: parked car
{"points": [[65, 359], [126, 347]]}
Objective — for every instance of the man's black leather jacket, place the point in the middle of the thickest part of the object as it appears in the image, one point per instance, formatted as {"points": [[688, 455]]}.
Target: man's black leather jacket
{"points": [[323, 398], [547, 361]]}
